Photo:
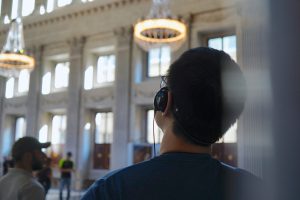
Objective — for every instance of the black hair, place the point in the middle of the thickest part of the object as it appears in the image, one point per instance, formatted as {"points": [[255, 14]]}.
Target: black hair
{"points": [[69, 154], [208, 90]]}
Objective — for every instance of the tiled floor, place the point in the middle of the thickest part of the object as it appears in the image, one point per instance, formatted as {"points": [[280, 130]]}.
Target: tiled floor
{"points": [[53, 194]]}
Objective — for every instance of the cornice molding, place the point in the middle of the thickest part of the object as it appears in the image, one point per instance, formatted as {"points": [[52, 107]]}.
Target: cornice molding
{"points": [[75, 14]]}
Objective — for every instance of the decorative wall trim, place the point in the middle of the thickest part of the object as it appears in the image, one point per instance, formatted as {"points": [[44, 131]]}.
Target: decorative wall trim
{"points": [[77, 14]]}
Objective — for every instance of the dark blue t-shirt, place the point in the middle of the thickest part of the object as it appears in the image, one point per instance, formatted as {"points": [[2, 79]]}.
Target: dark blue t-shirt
{"points": [[175, 176]]}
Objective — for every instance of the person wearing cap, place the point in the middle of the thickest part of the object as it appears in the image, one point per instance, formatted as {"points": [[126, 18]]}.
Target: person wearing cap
{"points": [[202, 95], [19, 182]]}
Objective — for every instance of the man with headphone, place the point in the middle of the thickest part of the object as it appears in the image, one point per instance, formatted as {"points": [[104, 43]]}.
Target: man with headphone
{"points": [[202, 95]]}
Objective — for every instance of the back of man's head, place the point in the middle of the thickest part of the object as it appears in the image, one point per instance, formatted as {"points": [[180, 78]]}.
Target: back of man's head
{"points": [[208, 90]]}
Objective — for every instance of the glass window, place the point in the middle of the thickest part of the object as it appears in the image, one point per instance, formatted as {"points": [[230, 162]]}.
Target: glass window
{"points": [[61, 3], [42, 9], [88, 78], [50, 6], [58, 137], [46, 83], [6, 19], [9, 90], [20, 128], [58, 134], [104, 127], [23, 82], [153, 128], [158, 61], [43, 134], [14, 9], [27, 7], [61, 78], [106, 68], [0, 6], [226, 43], [103, 140]]}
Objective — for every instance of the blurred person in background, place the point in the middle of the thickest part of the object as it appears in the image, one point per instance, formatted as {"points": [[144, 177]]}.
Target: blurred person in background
{"points": [[19, 182], [66, 168], [7, 163], [44, 176]]}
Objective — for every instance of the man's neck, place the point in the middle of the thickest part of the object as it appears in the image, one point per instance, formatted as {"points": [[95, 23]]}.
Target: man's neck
{"points": [[172, 143], [23, 167]]}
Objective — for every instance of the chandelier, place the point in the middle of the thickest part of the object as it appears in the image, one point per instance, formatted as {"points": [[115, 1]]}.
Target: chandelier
{"points": [[12, 57], [160, 28]]}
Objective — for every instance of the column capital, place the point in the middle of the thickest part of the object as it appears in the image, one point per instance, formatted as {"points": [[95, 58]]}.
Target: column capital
{"points": [[123, 36], [77, 41], [76, 45]]}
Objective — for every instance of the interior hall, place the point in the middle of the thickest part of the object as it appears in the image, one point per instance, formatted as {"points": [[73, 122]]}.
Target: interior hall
{"points": [[92, 86]]}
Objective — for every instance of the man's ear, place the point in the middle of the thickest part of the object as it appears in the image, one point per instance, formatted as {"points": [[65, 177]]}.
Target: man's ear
{"points": [[169, 104]]}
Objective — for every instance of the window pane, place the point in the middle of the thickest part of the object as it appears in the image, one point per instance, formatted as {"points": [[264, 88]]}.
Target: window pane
{"points": [[230, 135], [111, 68], [88, 78], [6, 19], [0, 6], [43, 134], [50, 5], [46, 83], [27, 7], [104, 128], [20, 128], [23, 84], [165, 60], [229, 46], [9, 91], [106, 69], [215, 43], [42, 10], [14, 9], [158, 61], [58, 129], [109, 131], [61, 78], [158, 134], [61, 3]]}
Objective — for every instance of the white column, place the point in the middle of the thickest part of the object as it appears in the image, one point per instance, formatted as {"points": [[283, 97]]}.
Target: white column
{"points": [[74, 94], [122, 95], [34, 93], [74, 101]]}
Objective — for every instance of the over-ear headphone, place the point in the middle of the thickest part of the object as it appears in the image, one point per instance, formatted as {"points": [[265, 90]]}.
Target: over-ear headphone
{"points": [[161, 99]]}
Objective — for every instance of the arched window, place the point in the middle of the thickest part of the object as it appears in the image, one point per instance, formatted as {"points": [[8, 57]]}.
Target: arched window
{"points": [[14, 9], [61, 77], [50, 6], [46, 83], [9, 91], [61, 3], [27, 7], [88, 78], [106, 68], [23, 83], [0, 6]]}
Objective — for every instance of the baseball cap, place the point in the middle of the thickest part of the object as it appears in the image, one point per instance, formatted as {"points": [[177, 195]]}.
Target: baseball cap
{"points": [[27, 144]]}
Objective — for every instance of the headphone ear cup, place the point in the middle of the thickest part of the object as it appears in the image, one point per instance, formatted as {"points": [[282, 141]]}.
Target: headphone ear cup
{"points": [[161, 99]]}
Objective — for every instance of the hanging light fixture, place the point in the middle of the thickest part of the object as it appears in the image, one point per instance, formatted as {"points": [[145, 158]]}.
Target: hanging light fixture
{"points": [[160, 28], [12, 57]]}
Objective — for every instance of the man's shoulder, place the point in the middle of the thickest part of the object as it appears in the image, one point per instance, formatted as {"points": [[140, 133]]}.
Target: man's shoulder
{"points": [[240, 184], [104, 186], [238, 174]]}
